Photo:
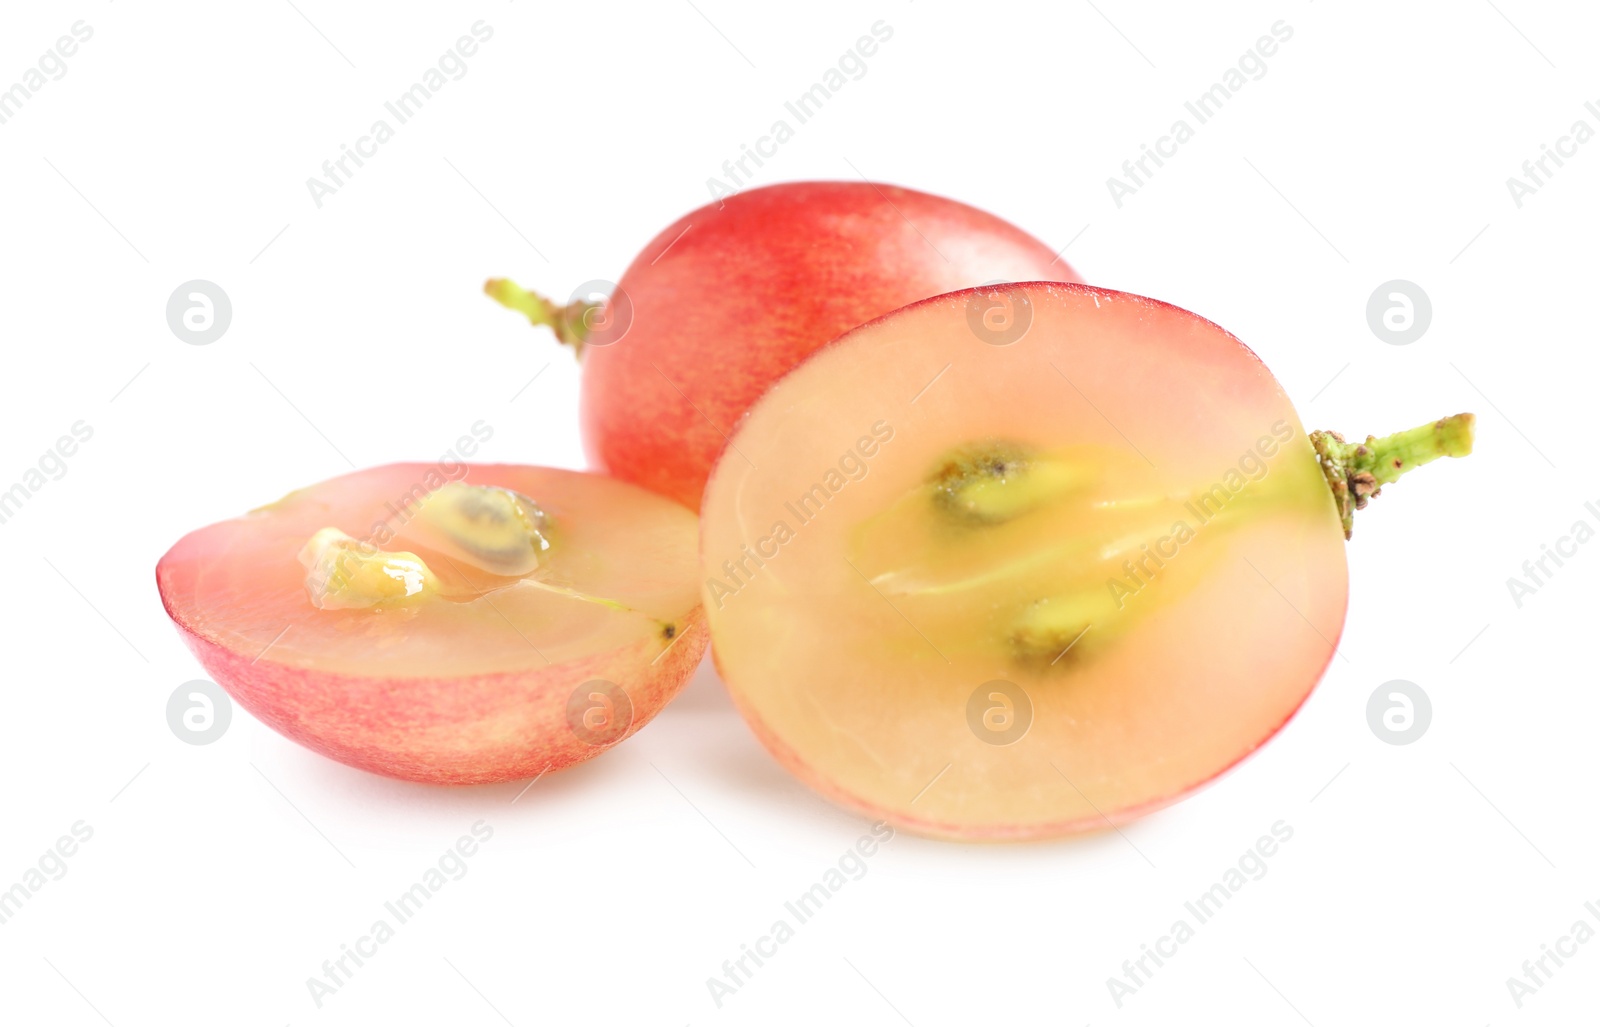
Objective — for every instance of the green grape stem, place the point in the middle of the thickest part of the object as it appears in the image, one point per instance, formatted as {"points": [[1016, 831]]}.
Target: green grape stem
{"points": [[1357, 471], [570, 323]]}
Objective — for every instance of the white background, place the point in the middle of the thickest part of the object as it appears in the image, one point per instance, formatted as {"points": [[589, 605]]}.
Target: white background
{"points": [[220, 877]]}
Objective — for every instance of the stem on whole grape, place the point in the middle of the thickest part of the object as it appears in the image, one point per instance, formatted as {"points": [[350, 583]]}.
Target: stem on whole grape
{"points": [[1356, 471], [570, 323]]}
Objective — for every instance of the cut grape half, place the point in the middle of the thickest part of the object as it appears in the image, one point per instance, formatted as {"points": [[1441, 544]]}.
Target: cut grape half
{"points": [[1022, 561], [493, 623]]}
